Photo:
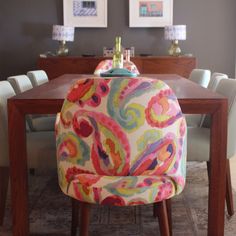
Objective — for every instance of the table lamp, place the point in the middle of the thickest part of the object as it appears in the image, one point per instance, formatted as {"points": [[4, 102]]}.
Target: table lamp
{"points": [[175, 33], [63, 33]]}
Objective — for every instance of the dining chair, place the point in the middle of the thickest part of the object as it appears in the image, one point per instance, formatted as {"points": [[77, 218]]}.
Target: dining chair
{"points": [[201, 77], [37, 77], [122, 142], [199, 137], [195, 120], [22, 83], [41, 146]]}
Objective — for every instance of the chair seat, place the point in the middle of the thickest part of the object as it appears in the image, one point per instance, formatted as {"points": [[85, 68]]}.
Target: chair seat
{"points": [[43, 123], [118, 190]]}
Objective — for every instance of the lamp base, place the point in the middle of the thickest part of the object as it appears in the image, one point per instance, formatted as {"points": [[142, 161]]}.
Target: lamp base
{"points": [[63, 49], [174, 49]]}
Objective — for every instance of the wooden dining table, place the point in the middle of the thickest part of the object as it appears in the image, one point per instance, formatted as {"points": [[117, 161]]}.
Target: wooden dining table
{"points": [[48, 99]]}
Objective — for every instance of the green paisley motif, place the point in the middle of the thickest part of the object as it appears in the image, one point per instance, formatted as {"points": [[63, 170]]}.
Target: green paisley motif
{"points": [[72, 149]]}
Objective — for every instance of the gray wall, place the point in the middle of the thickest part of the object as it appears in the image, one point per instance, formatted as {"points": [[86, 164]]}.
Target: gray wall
{"points": [[26, 27]]}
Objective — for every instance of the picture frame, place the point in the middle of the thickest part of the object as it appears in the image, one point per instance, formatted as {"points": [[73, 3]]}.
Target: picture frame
{"points": [[150, 13], [85, 13]]}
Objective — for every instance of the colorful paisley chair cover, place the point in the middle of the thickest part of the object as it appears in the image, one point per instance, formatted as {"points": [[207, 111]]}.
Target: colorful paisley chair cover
{"points": [[106, 65], [121, 141]]}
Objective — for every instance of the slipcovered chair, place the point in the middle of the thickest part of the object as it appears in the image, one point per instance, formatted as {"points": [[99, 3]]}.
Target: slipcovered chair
{"points": [[197, 119], [201, 77], [199, 137], [37, 77], [22, 83], [106, 65], [122, 142], [41, 146]]}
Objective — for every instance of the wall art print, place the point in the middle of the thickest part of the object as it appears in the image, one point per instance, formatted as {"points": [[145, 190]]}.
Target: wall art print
{"points": [[150, 13], [85, 13]]}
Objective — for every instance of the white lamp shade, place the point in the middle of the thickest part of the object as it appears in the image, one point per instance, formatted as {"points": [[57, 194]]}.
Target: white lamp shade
{"points": [[175, 32], [61, 32]]}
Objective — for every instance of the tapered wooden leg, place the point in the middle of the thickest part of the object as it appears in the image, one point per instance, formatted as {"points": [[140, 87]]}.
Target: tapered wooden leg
{"points": [[208, 169], [4, 179], [169, 213], [229, 193], [75, 216], [161, 211], [84, 218]]}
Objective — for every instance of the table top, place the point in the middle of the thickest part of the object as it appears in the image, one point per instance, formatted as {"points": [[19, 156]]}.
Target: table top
{"points": [[54, 92]]}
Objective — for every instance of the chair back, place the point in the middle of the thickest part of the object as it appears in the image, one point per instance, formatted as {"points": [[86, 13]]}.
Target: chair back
{"points": [[215, 79], [20, 83], [214, 82], [121, 127], [201, 77], [227, 87], [6, 91], [37, 77]]}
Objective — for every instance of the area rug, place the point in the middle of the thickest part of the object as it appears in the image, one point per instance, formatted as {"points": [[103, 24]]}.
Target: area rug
{"points": [[50, 211]]}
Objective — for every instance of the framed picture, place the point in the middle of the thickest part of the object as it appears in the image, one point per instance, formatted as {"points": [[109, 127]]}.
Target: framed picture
{"points": [[150, 13], [85, 13]]}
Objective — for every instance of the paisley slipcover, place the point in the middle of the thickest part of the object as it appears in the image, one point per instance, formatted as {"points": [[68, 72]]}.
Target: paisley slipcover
{"points": [[121, 141], [106, 65]]}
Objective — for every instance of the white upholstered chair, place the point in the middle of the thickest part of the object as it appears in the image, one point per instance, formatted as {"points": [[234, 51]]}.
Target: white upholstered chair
{"points": [[22, 83], [197, 119], [37, 77], [199, 137], [41, 148], [201, 77]]}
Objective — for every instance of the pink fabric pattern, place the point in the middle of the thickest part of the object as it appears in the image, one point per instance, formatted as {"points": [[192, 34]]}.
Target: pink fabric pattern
{"points": [[121, 142]]}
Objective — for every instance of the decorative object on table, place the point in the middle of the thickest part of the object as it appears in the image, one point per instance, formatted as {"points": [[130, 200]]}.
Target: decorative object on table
{"points": [[118, 58], [90, 13], [150, 13], [108, 52], [118, 72], [175, 33], [106, 65], [62, 34]]}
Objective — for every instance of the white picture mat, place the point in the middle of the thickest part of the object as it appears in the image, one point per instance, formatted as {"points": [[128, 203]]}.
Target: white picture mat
{"points": [[136, 21], [85, 21]]}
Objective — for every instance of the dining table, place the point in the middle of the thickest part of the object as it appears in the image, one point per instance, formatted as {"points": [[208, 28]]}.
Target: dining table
{"points": [[48, 99]]}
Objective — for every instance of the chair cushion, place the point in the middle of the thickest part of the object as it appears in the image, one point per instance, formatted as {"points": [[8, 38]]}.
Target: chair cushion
{"points": [[117, 190]]}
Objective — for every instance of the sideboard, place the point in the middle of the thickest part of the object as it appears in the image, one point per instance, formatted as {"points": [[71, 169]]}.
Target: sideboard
{"points": [[56, 66]]}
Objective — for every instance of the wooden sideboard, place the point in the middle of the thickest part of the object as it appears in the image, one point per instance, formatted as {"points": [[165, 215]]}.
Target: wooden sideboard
{"points": [[56, 66]]}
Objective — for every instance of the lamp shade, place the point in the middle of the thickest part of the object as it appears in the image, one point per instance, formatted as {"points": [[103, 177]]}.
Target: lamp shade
{"points": [[63, 33], [175, 32]]}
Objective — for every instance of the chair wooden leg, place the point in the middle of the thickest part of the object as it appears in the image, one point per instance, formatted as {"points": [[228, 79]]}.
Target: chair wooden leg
{"points": [[208, 169], [4, 179], [75, 216], [169, 212], [161, 211], [84, 218], [229, 193]]}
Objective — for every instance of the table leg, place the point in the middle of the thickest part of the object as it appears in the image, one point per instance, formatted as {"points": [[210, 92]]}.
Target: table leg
{"points": [[18, 170], [217, 188]]}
